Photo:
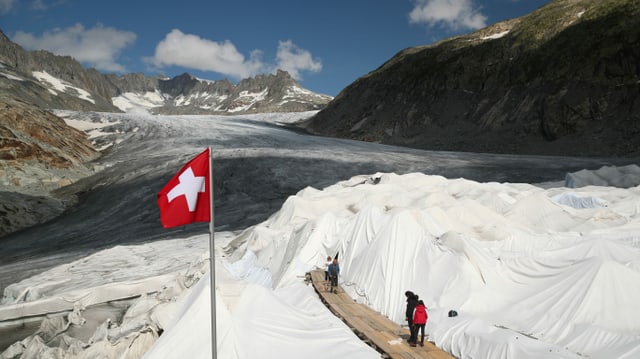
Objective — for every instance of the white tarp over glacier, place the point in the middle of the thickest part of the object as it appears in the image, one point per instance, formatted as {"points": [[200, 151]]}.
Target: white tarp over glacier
{"points": [[532, 272]]}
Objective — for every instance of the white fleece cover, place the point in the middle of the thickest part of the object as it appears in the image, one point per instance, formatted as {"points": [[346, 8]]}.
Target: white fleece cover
{"points": [[532, 272]]}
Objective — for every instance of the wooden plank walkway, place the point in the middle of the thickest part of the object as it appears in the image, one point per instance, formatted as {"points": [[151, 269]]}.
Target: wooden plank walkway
{"points": [[380, 332]]}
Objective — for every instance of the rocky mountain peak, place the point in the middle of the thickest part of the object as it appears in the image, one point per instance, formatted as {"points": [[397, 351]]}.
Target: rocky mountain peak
{"points": [[181, 84], [279, 79], [89, 90]]}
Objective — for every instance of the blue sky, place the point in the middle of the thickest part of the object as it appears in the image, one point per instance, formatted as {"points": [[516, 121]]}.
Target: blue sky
{"points": [[325, 45]]}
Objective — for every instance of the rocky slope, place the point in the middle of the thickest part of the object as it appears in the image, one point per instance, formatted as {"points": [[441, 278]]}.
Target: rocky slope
{"points": [[49, 81], [39, 153], [563, 80]]}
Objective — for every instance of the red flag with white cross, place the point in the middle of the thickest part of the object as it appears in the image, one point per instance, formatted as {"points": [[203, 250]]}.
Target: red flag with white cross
{"points": [[185, 198]]}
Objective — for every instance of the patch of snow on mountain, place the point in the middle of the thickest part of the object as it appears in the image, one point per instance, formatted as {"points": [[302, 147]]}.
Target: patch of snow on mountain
{"points": [[182, 100], [135, 102], [11, 77], [496, 36], [296, 91], [211, 82], [247, 99], [213, 101], [256, 96], [62, 86], [204, 100]]}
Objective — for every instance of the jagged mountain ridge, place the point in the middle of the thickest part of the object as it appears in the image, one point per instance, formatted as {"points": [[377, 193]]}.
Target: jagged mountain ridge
{"points": [[60, 82], [563, 80], [186, 95]]}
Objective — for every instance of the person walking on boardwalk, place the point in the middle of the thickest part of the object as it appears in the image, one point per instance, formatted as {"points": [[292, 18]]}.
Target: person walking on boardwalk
{"points": [[334, 271], [412, 301], [326, 269], [420, 317]]}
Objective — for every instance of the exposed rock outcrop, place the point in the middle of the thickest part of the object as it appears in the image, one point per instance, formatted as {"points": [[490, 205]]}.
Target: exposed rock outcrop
{"points": [[39, 153]]}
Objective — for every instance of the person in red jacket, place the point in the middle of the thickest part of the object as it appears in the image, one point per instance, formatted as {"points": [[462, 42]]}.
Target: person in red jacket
{"points": [[420, 317]]}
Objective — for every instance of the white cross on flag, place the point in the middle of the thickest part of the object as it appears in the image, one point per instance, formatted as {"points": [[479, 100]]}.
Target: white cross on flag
{"points": [[185, 199]]}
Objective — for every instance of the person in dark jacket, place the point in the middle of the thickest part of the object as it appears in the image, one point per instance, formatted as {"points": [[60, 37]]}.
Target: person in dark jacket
{"points": [[420, 317], [412, 301], [334, 271]]}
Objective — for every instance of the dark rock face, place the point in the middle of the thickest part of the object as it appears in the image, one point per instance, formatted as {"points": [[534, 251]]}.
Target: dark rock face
{"points": [[563, 80], [134, 82]]}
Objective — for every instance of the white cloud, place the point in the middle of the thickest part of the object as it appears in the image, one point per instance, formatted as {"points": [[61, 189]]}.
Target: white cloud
{"points": [[5, 6], [98, 47], [194, 52], [455, 14], [293, 59]]}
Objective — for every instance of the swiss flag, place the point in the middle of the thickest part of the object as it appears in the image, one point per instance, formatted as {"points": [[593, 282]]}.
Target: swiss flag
{"points": [[185, 199]]}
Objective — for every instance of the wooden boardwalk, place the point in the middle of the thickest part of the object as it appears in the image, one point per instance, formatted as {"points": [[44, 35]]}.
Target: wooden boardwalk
{"points": [[380, 332]]}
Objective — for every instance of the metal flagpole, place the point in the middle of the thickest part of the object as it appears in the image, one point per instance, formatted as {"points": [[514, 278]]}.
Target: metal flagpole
{"points": [[212, 264]]}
